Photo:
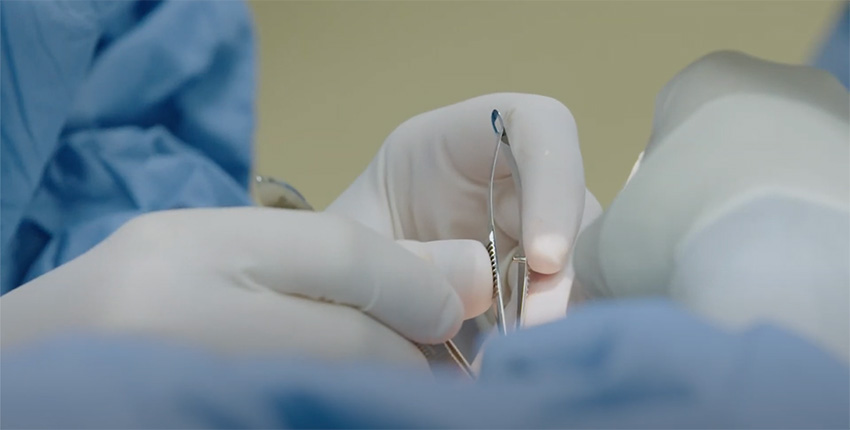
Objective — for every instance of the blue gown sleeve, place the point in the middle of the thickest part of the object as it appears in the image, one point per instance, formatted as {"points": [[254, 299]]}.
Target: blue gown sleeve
{"points": [[834, 54], [641, 364], [106, 116]]}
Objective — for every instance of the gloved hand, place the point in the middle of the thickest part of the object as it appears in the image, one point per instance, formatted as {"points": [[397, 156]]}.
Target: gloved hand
{"points": [[253, 280], [740, 206], [429, 181]]}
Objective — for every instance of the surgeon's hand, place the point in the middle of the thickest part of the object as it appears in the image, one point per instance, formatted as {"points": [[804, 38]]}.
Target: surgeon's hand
{"points": [[740, 206], [254, 280], [429, 181]]}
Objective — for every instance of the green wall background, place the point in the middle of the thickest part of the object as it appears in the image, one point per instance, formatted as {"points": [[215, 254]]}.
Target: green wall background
{"points": [[336, 77]]}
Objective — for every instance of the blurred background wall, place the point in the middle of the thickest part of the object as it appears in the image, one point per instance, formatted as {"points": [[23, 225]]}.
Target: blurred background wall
{"points": [[337, 77]]}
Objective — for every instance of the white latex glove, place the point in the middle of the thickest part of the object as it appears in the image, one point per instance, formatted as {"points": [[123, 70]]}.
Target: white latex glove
{"points": [[429, 181], [740, 206], [252, 280]]}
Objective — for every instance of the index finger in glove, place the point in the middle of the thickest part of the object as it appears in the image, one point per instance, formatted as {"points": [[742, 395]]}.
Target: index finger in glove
{"points": [[327, 258], [544, 143]]}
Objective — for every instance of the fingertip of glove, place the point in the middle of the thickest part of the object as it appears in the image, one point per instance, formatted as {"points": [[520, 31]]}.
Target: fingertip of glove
{"points": [[548, 254]]}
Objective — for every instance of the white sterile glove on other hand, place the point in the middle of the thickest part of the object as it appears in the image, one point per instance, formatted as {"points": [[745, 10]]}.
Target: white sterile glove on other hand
{"points": [[249, 280], [740, 207], [430, 179]]}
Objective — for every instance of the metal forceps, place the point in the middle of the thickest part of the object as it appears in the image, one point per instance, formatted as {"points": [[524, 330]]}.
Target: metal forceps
{"points": [[449, 352], [500, 289]]}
